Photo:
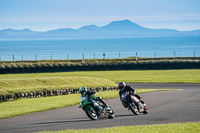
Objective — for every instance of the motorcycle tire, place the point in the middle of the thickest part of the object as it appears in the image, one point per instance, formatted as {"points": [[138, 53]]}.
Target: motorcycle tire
{"points": [[91, 114], [133, 108], [145, 111], [111, 115]]}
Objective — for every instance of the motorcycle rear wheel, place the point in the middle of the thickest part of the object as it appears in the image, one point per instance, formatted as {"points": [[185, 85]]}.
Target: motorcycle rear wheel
{"points": [[91, 113], [145, 111]]}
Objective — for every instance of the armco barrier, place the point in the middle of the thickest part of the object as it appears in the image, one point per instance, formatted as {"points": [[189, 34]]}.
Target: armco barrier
{"points": [[45, 93]]}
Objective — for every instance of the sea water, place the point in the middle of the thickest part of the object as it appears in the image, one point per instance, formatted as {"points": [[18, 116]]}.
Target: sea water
{"points": [[99, 48]]}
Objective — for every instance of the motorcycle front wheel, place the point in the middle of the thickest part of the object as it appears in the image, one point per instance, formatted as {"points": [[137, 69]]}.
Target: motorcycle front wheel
{"points": [[91, 113]]}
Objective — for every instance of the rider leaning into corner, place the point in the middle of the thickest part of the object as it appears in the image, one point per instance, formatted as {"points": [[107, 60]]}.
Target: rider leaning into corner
{"points": [[87, 93], [124, 88]]}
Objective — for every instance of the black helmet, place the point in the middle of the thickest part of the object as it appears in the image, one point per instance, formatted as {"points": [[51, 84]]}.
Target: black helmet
{"points": [[121, 85], [82, 90]]}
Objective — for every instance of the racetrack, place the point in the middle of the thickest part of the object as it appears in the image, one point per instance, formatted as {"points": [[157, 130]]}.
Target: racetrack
{"points": [[164, 106]]}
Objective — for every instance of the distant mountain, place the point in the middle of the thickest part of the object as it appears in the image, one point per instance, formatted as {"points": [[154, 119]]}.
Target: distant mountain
{"points": [[89, 28], [124, 28], [11, 33], [16, 32], [124, 25]]}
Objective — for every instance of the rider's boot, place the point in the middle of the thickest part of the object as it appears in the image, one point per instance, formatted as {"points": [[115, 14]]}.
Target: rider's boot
{"points": [[140, 98], [143, 103], [145, 106], [108, 108], [106, 105]]}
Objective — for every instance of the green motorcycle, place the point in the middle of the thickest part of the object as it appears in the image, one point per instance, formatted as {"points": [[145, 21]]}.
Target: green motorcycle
{"points": [[93, 112]]}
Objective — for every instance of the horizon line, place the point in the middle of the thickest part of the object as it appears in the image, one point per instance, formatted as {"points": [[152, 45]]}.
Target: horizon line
{"points": [[90, 25]]}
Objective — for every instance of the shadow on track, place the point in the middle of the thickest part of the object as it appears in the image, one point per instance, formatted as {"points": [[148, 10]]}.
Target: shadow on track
{"points": [[57, 122], [124, 115], [78, 120]]}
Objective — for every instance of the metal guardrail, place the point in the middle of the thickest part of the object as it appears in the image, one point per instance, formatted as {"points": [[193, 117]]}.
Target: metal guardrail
{"points": [[82, 56]]}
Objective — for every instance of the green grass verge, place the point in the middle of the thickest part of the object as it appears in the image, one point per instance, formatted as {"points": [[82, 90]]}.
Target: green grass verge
{"points": [[11, 86], [26, 106], [158, 128], [156, 76], [14, 83]]}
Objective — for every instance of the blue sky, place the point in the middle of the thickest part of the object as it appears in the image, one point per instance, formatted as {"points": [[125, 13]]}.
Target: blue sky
{"points": [[43, 15]]}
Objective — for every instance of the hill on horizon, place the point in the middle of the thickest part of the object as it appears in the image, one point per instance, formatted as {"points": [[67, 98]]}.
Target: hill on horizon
{"points": [[117, 29]]}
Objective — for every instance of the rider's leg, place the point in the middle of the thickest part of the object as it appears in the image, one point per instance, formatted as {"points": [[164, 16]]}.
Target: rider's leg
{"points": [[98, 107], [139, 97], [136, 101], [105, 104], [101, 100]]}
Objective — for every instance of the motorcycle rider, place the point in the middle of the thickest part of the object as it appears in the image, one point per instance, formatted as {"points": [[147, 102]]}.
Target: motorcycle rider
{"points": [[124, 88], [85, 94]]}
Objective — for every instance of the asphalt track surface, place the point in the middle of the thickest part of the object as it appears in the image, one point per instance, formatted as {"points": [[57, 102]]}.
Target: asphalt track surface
{"points": [[164, 106]]}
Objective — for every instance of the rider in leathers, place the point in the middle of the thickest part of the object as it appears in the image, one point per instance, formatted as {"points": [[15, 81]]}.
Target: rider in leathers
{"points": [[124, 88], [87, 93]]}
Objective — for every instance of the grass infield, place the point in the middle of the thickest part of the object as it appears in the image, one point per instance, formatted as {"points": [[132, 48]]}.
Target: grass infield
{"points": [[157, 128], [156, 76], [13, 83], [12, 86]]}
